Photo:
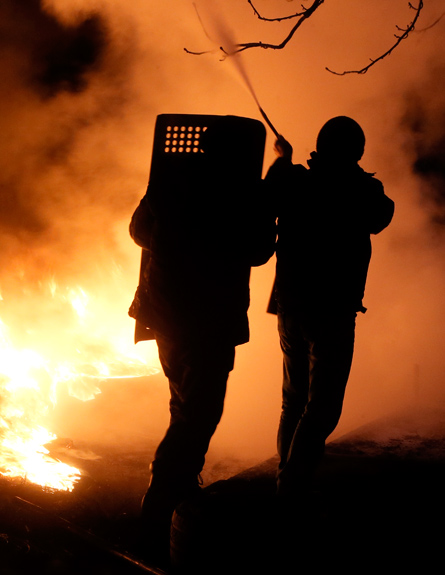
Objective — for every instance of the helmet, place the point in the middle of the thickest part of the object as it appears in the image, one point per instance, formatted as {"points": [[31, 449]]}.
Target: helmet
{"points": [[341, 137]]}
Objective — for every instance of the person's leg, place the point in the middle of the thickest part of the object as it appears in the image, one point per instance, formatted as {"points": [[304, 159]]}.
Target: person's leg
{"points": [[331, 348], [197, 377], [295, 387]]}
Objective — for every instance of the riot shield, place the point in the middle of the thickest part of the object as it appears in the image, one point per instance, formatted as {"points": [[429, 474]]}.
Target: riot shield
{"points": [[179, 152]]}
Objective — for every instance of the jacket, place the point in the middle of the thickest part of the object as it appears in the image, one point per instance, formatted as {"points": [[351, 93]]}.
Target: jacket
{"points": [[199, 243], [326, 215]]}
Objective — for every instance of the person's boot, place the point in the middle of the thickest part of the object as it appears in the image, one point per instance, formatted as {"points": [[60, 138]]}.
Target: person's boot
{"points": [[158, 504]]}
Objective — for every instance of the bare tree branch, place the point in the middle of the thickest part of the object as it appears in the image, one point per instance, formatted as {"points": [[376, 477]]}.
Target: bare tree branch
{"points": [[302, 16], [279, 19], [406, 31]]}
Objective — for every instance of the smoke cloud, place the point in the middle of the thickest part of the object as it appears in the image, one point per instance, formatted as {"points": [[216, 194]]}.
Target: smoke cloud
{"points": [[81, 85], [61, 85], [424, 122]]}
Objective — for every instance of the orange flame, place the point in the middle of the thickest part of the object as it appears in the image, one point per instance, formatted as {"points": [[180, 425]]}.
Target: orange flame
{"points": [[29, 381]]}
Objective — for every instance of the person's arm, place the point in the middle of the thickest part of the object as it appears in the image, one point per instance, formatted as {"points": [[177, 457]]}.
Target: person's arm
{"points": [[141, 224], [263, 230], [381, 209]]}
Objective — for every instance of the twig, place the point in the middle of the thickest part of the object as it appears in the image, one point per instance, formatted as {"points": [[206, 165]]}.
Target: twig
{"points": [[406, 31], [304, 15], [278, 19]]}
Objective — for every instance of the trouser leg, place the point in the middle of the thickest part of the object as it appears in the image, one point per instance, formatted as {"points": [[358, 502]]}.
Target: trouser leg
{"points": [[330, 344], [197, 377], [295, 388], [197, 374]]}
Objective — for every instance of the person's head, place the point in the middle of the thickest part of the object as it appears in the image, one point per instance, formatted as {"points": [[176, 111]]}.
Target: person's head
{"points": [[342, 139]]}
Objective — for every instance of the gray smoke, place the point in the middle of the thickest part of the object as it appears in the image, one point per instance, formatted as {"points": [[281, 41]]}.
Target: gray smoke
{"points": [[65, 90], [44, 58], [61, 83], [424, 123], [60, 55]]}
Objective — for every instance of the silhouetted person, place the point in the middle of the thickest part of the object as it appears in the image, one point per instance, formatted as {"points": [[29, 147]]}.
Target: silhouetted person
{"points": [[325, 217], [203, 235]]}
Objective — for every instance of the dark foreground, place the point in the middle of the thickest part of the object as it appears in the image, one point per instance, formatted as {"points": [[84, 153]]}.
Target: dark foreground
{"points": [[378, 503]]}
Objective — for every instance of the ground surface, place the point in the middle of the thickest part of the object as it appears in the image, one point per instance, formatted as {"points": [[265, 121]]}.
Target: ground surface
{"points": [[378, 503]]}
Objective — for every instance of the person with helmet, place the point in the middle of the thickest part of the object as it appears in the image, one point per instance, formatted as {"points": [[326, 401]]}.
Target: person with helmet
{"points": [[326, 215]]}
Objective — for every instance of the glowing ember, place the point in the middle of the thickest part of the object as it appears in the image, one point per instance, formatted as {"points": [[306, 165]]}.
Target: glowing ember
{"points": [[79, 357]]}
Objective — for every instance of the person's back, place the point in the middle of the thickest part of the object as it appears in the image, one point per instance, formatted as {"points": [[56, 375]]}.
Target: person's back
{"points": [[324, 224]]}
